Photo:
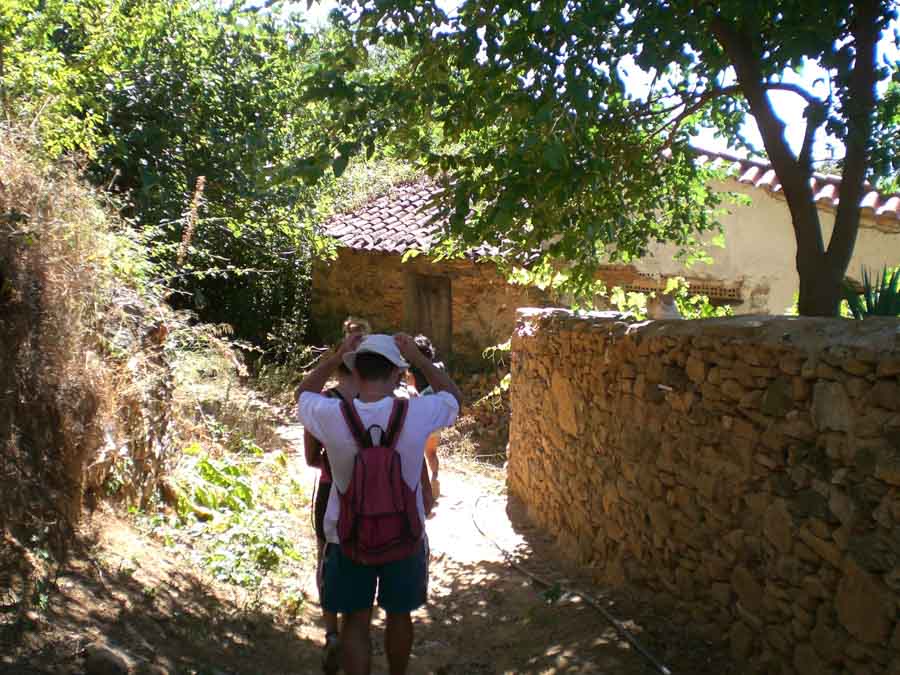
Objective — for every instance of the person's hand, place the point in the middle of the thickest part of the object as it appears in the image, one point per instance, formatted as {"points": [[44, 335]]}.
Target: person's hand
{"points": [[349, 344], [407, 346]]}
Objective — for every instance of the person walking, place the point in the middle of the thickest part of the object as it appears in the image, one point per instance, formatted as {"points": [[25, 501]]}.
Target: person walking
{"points": [[314, 451], [365, 439]]}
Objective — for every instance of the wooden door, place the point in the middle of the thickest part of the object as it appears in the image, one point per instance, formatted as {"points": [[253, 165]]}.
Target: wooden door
{"points": [[430, 310]]}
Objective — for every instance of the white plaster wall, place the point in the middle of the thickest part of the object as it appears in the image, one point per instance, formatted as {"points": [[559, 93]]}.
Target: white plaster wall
{"points": [[760, 250]]}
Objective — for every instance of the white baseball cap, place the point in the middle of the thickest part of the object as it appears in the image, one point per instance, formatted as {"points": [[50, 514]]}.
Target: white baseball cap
{"points": [[377, 343]]}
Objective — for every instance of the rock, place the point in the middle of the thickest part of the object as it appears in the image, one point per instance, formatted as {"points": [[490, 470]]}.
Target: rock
{"points": [[696, 370], [778, 398], [741, 639], [887, 394], [888, 368], [748, 590], [778, 526], [564, 401], [807, 662], [827, 641], [102, 659], [151, 669], [831, 409], [825, 550], [887, 468], [864, 606], [841, 505]]}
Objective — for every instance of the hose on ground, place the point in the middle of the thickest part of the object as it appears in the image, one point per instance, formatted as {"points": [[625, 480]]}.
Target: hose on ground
{"points": [[589, 599]]}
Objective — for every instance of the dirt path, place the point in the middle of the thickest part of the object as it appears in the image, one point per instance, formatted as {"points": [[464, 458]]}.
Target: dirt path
{"points": [[136, 590], [486, 617]]}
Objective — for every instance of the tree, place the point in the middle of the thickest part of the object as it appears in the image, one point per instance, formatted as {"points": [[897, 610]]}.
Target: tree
{"points": [[545, 146]]}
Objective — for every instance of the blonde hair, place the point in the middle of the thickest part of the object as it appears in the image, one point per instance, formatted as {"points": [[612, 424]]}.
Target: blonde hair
{"points": [[353, 324]]}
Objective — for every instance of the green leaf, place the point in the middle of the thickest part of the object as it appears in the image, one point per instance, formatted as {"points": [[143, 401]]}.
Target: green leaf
{"points": [[339, 165]]}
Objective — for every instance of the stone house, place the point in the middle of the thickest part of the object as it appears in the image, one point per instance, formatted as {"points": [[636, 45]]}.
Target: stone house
{"points": [[466, 305]]}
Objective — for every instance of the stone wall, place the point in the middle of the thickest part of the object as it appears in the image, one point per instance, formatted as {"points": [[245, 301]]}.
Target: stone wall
{"points": [[374, 286], [746, 471]]}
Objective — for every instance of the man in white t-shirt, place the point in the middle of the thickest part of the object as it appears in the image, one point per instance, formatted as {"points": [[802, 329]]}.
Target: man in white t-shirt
{"points": [[378, 362]]}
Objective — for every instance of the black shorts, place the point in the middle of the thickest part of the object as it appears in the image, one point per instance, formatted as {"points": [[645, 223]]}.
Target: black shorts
{"points": [[319, 507]]}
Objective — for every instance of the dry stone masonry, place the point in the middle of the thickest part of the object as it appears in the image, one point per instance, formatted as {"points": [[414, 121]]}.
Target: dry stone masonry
{"points": [[747, 470]]}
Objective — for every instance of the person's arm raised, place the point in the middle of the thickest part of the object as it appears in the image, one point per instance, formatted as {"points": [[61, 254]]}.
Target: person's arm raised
{"points": [[315, 381], [438, 379]]}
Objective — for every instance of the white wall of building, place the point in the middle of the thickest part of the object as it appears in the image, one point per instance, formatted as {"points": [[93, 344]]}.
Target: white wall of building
{"points": [[760, 251]]}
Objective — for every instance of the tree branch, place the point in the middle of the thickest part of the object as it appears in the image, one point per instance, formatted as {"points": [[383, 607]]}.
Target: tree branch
{"points": [[710, 94], [815, 118], [794, 177]]}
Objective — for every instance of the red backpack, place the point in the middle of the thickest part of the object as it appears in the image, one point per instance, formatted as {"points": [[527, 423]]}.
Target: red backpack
{"points": [[379, 520]]}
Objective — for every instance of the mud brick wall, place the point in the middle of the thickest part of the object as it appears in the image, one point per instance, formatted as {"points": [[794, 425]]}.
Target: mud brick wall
{"points": [[375, 285], [744, 470]]}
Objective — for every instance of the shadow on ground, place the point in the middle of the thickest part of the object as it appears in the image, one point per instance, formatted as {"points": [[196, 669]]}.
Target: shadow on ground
{"points": [[157, 612], [483, 617]]}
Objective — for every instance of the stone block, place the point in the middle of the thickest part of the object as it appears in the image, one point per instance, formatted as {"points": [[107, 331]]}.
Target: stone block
{"points": [[564, 401], [831, 409], [888, 367], [696, 369], [807, 662], [824, 549], [827, 641], [790, 365], [800, 389], [778, 526], [864, 605], [778, 398], [747, 589], [733, 390], [887, 468], [857, 367]]}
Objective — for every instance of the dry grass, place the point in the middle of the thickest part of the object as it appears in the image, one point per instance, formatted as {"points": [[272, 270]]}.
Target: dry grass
{"points": [[71, 333]]}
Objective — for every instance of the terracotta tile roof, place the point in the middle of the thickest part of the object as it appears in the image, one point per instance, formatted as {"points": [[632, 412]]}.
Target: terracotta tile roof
{"points": [[393, 222], [884, 209]]}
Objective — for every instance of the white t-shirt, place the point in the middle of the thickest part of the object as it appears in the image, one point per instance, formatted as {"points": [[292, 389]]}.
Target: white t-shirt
{"points": [[323, 418]]}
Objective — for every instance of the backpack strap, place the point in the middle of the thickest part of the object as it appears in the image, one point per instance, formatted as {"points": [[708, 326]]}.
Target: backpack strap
{"points": [[334, 392], [362, 437], [395, 425]]}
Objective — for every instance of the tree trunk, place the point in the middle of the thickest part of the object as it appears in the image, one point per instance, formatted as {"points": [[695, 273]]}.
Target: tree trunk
{"points": [[820, 286], [821, 270]]}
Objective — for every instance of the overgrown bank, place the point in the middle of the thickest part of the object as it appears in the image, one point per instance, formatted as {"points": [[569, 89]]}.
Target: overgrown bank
{"points": [[84, 381]]}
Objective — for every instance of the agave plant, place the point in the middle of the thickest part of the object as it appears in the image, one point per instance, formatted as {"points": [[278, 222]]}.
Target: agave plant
{"points": [[877, 299]]}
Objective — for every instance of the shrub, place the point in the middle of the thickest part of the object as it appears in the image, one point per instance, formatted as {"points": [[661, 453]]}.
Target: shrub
{"points": [[879, 297]]}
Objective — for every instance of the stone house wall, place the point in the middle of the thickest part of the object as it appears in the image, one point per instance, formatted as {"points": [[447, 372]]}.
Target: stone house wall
{"points": [[746, 471], [375, 285]]}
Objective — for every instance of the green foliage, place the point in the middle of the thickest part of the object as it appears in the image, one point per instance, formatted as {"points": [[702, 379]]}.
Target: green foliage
{"points": [[242, 535], [192, 112], [880, 296], [246, 547], [498, 354], [194, 117], [690, 305], [525, 112]]}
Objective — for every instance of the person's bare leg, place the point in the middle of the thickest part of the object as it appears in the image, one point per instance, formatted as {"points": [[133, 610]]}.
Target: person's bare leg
{"points": [[355, 656], [330, 618], [331, 648], [331, 622], [398, 639], [431, 458]]}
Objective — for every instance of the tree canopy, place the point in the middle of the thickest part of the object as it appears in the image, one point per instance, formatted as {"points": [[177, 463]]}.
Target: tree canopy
{"points": [[160, 97], [527, 112]]}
